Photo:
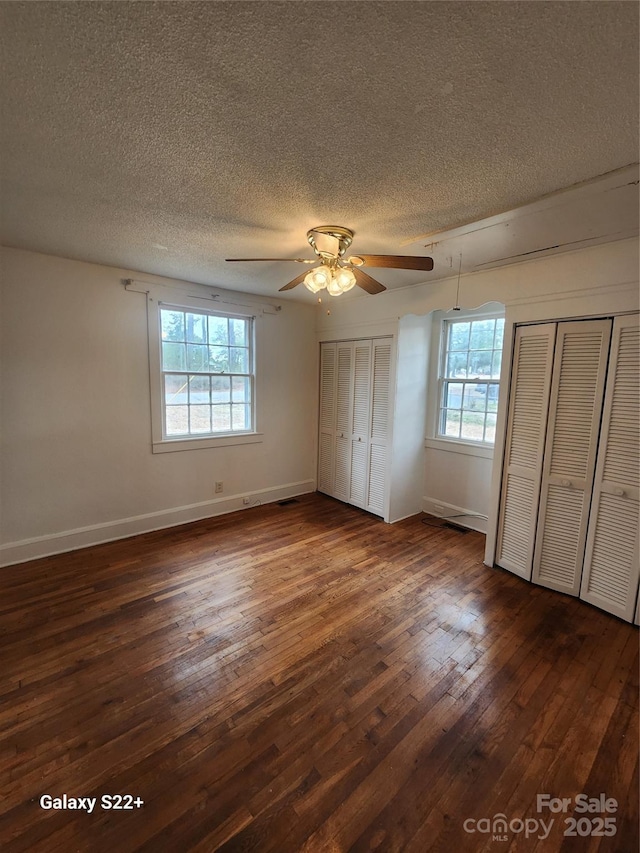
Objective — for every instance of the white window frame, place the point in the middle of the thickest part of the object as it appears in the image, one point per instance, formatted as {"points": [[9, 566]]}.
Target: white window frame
{"points": [[435, 438], [162, 443]]}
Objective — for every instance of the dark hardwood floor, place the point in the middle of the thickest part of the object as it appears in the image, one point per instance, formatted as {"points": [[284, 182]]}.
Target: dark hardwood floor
{"points": [[307, 678]]}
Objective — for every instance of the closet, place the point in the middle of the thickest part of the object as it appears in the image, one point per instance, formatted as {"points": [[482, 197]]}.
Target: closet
{"points": [[568, 515], [354, 419]]}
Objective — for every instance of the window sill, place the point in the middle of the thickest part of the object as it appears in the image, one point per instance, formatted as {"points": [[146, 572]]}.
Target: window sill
{"points": [[449, 445], [174, 444]]}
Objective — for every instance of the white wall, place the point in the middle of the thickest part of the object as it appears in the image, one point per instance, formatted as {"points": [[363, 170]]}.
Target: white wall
{"points": [[589, 282], [457, 483], [76, 460], [408, 423]]}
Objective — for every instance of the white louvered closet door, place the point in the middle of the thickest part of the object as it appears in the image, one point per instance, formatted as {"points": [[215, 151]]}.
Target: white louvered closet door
{"points": [[577, 389], [360, 422], [344, 408], [379, 430], [527, 418], [326, 444], [610, 574]]}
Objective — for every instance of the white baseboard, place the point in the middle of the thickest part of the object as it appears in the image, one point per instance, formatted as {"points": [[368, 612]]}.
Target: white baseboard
{"points": [[467, 517], [95, 534]]}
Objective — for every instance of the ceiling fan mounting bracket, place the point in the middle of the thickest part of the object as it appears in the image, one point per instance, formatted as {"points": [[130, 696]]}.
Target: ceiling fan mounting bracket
{"points": [[344, 236]]}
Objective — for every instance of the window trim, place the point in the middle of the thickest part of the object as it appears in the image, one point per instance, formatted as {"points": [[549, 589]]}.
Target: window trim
{"points": [[159, 442]]}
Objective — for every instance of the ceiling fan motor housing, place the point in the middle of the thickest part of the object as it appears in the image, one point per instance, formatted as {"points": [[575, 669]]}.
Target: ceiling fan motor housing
{"points": [[330, 241]]}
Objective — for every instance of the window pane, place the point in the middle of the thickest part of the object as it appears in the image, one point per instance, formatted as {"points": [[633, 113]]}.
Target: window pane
{"points": [[175, 390], [480, 363], [172, 325], [240, 390], [173, 357], [452, 423], [478, 398], [457, 365], [240, 416], [200, 419], [177, 420], [459, 336], [474, 398], [453, 395], [196, 328], [492, 398], [482, 334], [199, 389], [197, 357], [218, 333], [219, 359], [238, 332], [220, 389], [490, 429], [221, 418], [499, 333], [239, 360], [472, 425]]}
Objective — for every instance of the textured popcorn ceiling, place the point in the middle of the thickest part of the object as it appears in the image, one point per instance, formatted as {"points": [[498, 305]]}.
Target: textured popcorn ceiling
{"points": [[164, 137]]}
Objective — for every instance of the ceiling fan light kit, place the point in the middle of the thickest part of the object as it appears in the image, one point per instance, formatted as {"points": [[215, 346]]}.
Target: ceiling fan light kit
{"points": [[336, 281], [337, 276]]}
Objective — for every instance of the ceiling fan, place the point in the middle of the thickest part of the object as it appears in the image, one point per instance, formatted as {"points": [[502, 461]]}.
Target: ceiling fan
{"points": [[336, 274]]}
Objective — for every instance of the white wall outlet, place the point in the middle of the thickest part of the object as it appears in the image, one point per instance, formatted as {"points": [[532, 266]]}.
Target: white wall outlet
{"points": [[246, 501], [219, 486]]}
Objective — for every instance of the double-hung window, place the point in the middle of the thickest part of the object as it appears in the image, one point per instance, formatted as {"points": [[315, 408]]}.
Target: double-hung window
{"points": [[469, 379], [206, 373]]}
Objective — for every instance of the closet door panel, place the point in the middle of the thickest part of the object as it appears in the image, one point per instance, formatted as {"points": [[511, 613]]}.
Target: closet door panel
{"points": [[377, 478], [379, 426], [358, 484], [342, 468], [327, 418], [344, 409], [611, 570], [344, 387], [360, 421], [528, 406], [354, 421], [577, 389]]}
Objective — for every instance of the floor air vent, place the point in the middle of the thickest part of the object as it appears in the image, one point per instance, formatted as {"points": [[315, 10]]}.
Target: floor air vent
{"points": [[288, 501]]}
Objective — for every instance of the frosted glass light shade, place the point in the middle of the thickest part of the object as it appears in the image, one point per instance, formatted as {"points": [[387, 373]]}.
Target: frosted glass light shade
{"points": [[333, 287], [317, 279], [345, 279]]}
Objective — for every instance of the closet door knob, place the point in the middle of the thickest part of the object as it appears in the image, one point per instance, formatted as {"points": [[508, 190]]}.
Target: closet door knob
{"points": [[619, 492], [565, 483]]}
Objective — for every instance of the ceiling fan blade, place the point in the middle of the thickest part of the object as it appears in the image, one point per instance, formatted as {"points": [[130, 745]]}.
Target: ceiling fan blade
{"points": [[294, 282], [298, 260], [397, 262], [367, 283]]}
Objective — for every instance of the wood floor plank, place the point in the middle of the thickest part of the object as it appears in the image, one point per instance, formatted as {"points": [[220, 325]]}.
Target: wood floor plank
{"points": [[304, 679]]}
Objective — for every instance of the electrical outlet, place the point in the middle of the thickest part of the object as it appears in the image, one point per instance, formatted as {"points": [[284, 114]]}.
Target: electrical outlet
{"points": [[246, 501], [219, 486]]}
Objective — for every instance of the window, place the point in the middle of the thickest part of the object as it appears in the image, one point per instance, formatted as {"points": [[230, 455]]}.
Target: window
{"points": [[206, 373], [469, 379]]}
